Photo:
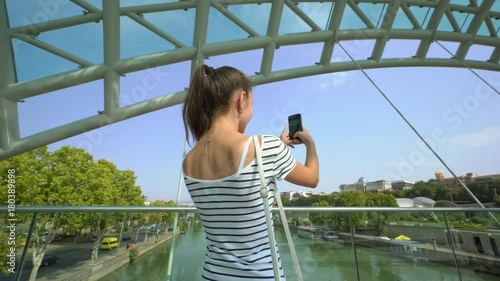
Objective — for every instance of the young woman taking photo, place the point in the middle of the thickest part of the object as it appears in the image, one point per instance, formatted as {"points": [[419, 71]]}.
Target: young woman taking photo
{"points": [[222, 177]]}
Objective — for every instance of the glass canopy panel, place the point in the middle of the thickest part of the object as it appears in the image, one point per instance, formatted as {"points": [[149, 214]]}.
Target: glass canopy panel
{"points": [[463, 20], [256, 16], [96, 3], [483, 30], [303, 55], [153, 82], [221, 29], [83, 40], [422, 15], [496, 24], [495, 7], [28, 12], [460, 2], [292, 23], [445, 24], [428, 16], [137, 40], [179, 23], [32, 62], [318, 12], [401, 21], [350, 20], [44, 112], [128, 3], [374, 12]]}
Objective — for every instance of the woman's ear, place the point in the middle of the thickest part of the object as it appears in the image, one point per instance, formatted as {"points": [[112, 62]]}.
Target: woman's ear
{"points": [[242, 98]]}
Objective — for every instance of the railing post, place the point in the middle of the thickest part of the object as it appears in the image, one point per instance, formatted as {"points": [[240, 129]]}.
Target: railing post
{"points": [[26, 246], [174, 229], [351, 227], [452, 243]]}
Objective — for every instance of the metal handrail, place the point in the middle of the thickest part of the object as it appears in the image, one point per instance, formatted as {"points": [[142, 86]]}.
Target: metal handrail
{"points": [[144, 209]]}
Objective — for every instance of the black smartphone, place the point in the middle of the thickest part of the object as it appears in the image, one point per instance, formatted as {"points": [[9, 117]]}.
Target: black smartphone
{"points": [[294, 125]]}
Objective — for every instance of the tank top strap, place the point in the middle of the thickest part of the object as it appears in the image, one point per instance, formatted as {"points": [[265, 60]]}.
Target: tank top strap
{"points": [[244, 154]]}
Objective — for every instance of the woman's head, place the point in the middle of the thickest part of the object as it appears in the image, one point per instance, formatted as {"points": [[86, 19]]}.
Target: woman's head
{"points": [[213, 92]]}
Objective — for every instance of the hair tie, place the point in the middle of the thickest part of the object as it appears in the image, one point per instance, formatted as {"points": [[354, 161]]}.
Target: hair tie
{"points": [[208, 70]]}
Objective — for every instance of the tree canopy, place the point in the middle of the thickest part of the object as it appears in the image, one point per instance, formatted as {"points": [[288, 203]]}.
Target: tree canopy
{"points": [[67, 177]]}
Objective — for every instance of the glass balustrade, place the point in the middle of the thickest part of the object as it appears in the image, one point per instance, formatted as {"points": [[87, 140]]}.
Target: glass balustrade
{"points": [[119, 243]]}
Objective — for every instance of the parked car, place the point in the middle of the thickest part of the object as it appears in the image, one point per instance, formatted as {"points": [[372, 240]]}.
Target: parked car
{"points": [[56, 238], [94, 238], [330, 235], [49, 260], [382, 238], [126, 238]]}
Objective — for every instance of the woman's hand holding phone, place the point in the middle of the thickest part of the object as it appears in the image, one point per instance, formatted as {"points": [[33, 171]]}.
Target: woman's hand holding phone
{"points": [[301, 137]]}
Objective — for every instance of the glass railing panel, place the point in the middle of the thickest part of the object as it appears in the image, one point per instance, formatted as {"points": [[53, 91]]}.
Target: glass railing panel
{"points": [[387, 246], [73, 248], [189, 253], [474, 239], [420, 245], [443, 246]]}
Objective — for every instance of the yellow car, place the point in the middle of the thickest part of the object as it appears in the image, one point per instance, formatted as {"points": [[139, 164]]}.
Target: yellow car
{"points": [[109, 243]]}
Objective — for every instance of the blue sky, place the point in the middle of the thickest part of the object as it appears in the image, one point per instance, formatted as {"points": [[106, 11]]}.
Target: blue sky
{"points": [[356, 131]]}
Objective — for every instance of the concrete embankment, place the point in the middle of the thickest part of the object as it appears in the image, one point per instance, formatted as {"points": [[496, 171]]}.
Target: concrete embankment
{"points": [[103, 267]]}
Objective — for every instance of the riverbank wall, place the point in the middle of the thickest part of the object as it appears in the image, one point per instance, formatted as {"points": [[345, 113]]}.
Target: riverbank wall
{"points": [[98, 270]]}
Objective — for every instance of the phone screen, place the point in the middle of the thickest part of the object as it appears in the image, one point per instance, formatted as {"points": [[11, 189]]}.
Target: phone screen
{"points": [[294, 125]]}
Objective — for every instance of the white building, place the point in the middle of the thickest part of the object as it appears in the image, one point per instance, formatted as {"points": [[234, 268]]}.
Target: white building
{"points": [[402, 184], [374, 186], [293, 195]]}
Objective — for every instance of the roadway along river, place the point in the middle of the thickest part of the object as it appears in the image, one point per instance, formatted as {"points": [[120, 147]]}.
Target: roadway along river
{"points": [[319, 261]]}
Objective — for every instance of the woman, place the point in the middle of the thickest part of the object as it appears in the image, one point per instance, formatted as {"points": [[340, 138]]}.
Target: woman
{"points": [[222, 177]]}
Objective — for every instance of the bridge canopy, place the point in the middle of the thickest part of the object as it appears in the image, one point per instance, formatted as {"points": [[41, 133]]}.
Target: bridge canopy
{"points": [[49, 45]]}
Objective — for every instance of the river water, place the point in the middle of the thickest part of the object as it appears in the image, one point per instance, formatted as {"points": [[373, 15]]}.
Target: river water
{"points": [[319, 261]]}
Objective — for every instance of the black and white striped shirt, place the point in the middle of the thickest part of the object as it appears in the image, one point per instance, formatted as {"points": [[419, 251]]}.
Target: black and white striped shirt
{"points": [[233, 216]]}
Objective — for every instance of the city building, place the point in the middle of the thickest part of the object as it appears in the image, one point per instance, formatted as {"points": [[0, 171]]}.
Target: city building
{"points": [[453, 183], [294, 195], [402, 184], [365, 186]]}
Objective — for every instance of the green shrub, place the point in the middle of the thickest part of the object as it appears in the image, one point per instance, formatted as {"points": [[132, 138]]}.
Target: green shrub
{"points": [[477, 220], [134, 253]]}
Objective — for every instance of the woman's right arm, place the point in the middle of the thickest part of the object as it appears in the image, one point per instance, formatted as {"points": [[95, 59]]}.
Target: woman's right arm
{"points": [[303, 174]]}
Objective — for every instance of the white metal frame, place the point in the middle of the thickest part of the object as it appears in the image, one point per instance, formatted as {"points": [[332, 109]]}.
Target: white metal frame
{"points": [[110, 70]]}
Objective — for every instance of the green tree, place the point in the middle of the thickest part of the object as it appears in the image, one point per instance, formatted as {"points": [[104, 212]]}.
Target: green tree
{"points": [[161, 217], [380, 219], [321, 218], [49, 179], [484, 192], [497, 201], [67, 177], [422, 189], [350, 199], [28, 180], [109, 186]]}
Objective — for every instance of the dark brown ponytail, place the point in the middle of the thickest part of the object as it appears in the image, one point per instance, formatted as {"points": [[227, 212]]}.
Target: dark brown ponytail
{"points": [[209, 92]]}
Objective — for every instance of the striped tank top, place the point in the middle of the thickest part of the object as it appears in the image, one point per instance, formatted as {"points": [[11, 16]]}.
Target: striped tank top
{"points": [[232, 213]]}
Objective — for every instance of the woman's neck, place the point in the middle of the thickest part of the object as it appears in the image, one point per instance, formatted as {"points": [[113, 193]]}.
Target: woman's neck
{"points": [[223, 124]]}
